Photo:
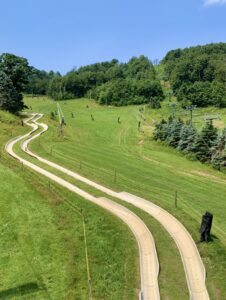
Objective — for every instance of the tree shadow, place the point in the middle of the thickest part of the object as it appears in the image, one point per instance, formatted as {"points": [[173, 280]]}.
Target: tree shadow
{"points": [[21, 290]]}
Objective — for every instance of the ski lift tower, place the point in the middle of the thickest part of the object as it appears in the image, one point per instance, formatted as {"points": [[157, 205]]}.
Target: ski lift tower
{"points": [[210, 118], [191, 108], [173, 107], [170, 94]]}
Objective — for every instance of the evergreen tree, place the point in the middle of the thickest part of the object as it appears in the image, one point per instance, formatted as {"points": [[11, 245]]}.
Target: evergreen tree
{"points": [[218, 159], [169, 128], [204, 142], [187, 138], [221, 141], [160, 132], [183, 137], [191, 139], [175, 133]]}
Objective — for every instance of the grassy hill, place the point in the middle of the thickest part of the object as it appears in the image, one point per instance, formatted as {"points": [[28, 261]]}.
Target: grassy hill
{"points": [[42, 250], [120, 156]]}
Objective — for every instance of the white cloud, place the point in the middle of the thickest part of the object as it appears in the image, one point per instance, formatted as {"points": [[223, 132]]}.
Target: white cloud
{"points": [[214, 2]]}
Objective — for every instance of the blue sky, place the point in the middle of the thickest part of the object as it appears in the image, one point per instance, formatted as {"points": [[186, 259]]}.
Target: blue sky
{"points": [[62, 34]]}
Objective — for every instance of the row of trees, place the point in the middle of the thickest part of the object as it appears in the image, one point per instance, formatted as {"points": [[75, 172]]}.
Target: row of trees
{"points": [[38, 81], [129, 91], [14, 72], [207, 145], [198, 74], [110, 83]]}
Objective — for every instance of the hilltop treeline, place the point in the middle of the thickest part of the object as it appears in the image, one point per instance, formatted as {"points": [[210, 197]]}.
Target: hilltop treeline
{"points": [[111, 83], [198, 74], [14, 72], [207, 146]]}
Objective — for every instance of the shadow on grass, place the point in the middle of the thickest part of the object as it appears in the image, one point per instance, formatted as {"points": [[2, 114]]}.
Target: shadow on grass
{"points": [[21, 290], [211, 239]]}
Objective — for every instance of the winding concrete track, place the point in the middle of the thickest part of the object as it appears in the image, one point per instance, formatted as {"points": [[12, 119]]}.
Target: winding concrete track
{"points": [[149, 265], [193, 265]]}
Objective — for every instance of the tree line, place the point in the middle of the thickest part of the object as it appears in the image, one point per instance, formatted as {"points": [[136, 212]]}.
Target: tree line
{"points": [[207, 145], [110, 83], [198, 74]]}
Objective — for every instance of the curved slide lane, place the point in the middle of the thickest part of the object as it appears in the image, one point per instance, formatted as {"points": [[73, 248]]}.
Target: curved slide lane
{"points": [[193, 265], [149, 265]]}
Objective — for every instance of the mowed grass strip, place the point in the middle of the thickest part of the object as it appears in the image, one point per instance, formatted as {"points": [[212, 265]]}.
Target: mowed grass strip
{"points": [[120, 156], [42, 250]]}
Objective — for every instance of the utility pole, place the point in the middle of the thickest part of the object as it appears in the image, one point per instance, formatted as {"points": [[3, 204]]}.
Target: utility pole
{"points": [[173, 106], [191, 108], [170, 94]]}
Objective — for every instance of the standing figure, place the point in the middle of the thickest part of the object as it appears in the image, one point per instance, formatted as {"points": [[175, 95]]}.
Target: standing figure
{"points": [[205, 228]]}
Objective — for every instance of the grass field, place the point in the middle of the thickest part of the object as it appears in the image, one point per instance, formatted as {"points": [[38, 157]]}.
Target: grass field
{"points": [[123, 158], [42, 250]]}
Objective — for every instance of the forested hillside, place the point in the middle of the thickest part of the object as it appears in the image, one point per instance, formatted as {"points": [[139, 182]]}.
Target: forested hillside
{"points": [[198, 74], [111, 82]]}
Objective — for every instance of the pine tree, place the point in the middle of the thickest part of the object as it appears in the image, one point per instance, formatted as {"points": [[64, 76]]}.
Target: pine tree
{"points": [[175, 133], [169, 128], [183, 143], [218, 159], [190, 140], [160, 132], [204, 142], [221, 142]]}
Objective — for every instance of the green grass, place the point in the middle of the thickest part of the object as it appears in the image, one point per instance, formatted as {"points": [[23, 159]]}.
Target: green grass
{"points": [[171, 278], [42, 251], [99, 148]]}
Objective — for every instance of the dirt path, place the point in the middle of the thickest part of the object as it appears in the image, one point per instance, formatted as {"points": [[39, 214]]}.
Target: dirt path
{"points": [[193, 265], [149, 265]]}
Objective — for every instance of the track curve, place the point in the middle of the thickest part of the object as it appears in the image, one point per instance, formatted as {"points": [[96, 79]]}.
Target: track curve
{"points": [[192, 262], [149, 265]]}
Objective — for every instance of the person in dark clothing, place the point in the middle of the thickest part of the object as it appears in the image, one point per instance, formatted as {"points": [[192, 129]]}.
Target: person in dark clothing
{"points": [[205, 228]]}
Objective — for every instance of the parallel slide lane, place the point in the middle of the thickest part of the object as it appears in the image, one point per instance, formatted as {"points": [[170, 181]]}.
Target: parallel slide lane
{"points": [[194, 269], [149, 265]]}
